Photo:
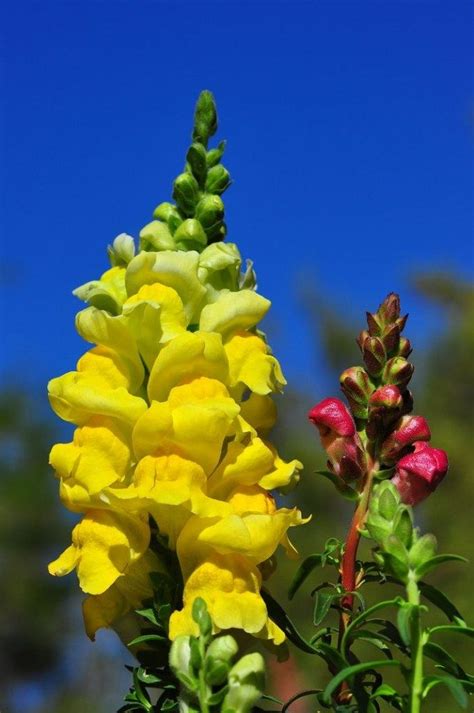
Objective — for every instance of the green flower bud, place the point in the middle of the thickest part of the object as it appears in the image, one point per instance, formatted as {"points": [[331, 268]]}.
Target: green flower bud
{"points": [[223, 648], [403, 526], [389, 310], [180, 655], [422, 551], [186, 193], [168, 213], [121, 251], [156, 236], [391, 338], [201, 616], [197, 161], [378, 527], [395, 555], [205, 118], [218, 179], [246, 684], [190, 235], [398, 371], [387, 499], [216, 672], [210, 213], [214, 155]]}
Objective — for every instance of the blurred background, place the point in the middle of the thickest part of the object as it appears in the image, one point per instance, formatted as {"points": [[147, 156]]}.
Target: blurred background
{"points": [[350, 139]]}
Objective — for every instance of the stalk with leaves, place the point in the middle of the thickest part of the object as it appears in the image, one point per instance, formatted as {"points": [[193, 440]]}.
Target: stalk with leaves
{"points": [[379, 458]]}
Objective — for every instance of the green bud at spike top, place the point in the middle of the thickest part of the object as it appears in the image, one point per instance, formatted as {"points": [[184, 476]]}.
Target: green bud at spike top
{"points": [[196, 219]]}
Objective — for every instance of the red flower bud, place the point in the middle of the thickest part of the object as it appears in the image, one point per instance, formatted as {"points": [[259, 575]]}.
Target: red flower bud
{"points": [[408, 430], [419, 473], [404, 347], [389, 310], [332, 415], [387, 397], [398, 371], [374, 355], [338, 437], [356, 385]]}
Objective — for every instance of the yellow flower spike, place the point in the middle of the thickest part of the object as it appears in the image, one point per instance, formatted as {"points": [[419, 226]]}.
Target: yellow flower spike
{"points": [[251, 365], [187, 357], [99, 327], [173, 269], [233, 312], [125, 595], [98, 456], [104, 545], [154, 316]]}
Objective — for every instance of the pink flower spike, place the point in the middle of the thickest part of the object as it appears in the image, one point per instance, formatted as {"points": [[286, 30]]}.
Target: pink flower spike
{"points": [[419, 473], [332, 415]]}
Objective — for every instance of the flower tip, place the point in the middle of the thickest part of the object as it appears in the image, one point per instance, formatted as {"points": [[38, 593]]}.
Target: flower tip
{"points": [[419, 473]]}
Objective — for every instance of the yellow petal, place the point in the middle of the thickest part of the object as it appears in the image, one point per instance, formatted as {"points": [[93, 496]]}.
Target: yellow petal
{"points": [[230, 586], [104, 544], [154, 316], [125, 595], [194, 430], [234, 311], [283, 474], [176, 269], [252, 366], [76, 396], [260, 412], [187, 357], [108, 293], [243, 464], [98, 456], [99, 327]]}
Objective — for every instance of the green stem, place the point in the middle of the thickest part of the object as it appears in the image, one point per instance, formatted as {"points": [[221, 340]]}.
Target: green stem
{"points": [[416, 647], [203, 692]]}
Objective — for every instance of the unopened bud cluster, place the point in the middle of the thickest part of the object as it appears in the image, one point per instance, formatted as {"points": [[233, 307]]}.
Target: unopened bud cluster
{"points": [[378, 429], [196, 219], [403, 552], [210, 677]]}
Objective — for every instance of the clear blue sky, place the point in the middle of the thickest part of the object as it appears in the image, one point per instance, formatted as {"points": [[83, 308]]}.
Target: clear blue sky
{"points": [[350, 138]]}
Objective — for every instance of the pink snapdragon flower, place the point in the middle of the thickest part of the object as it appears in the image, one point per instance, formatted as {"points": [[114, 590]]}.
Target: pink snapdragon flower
{"points": [[419, 473], [339, 438]]}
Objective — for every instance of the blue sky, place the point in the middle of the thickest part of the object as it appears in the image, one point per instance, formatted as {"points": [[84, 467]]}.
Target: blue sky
{"points": [[349, 130]]}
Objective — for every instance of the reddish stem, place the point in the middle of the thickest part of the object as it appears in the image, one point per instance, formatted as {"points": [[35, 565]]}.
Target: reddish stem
{"points": [[348, 570]]}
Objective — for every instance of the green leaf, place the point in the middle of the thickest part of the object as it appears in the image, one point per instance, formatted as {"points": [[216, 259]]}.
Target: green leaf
{"points": [[148, 614], [278, 614], [299, 696], [384, 690], [322, 605], [403, 525], [303, 572], [350, 671], [454, 686], [440, 600], [365, 615], [404, 618], [373, 638], [444, 659], [435, 561], [465, 630], [140, 692], [149, 639], [345, 490]]}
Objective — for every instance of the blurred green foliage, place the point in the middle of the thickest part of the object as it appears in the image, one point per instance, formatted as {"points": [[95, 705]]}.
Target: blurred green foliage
{"points": [[40, 616]]}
